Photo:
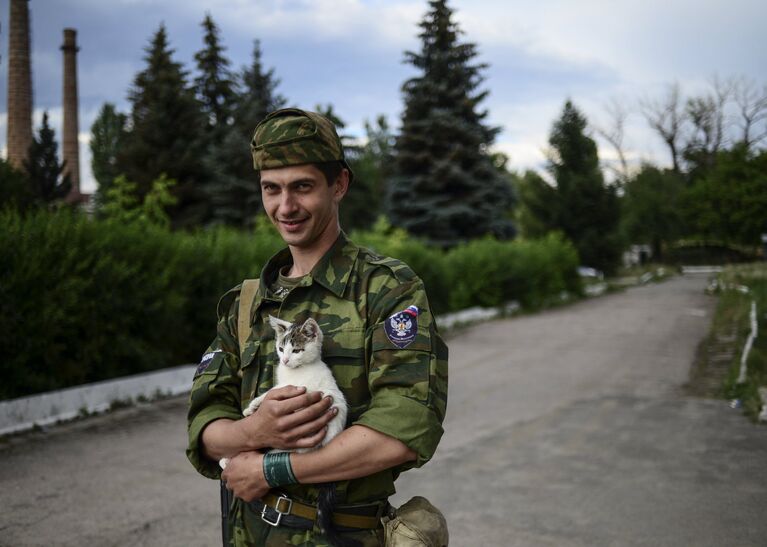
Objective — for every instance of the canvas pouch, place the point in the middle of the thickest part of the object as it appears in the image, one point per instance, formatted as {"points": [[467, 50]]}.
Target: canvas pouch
{"points": [[417, 523]]}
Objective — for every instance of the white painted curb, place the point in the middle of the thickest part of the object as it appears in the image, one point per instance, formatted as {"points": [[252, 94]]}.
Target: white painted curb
{"points": [[475, 315], [47, 408]]}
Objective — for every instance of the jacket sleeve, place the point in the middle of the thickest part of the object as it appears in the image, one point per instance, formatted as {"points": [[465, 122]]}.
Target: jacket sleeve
{"points": [[407, 380], [215, 390]]}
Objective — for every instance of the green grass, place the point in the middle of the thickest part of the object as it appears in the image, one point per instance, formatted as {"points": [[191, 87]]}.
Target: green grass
{"points": [[734, 308]]}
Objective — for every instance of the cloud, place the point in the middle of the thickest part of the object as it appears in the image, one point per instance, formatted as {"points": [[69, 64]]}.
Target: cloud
{"points": [[349, 53]]}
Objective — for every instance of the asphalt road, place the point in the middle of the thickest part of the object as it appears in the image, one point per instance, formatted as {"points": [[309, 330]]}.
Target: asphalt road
{"points": [[570, 427]]}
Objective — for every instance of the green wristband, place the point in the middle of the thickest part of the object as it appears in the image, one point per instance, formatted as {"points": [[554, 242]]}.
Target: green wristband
{"points": [[277, 469]]}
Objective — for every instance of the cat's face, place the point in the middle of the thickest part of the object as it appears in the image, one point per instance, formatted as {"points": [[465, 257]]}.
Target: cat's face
{"points": [[297, 344]]}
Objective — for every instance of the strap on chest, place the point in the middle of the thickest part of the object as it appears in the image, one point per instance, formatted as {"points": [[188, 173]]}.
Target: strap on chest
{"points": [[247, 296]]}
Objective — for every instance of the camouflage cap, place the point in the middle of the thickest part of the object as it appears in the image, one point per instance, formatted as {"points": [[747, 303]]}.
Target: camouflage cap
{"points": [[293, 137]]}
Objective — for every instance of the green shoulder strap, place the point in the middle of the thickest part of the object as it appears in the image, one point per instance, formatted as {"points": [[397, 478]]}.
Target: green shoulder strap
{"points": [[247, 295]]}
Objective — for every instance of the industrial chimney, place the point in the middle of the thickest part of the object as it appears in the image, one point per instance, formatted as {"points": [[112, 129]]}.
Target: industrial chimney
{"points": [[70, 145], [19, 85]]}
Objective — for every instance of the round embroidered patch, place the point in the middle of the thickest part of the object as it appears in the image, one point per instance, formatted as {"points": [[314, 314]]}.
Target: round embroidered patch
{"points": [[402, 327]]}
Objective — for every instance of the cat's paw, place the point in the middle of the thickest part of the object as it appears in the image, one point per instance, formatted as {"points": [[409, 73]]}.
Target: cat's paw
{"points": [[250, 409], [223, 462]]}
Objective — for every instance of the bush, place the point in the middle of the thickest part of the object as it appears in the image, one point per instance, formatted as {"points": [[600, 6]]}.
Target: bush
{"points": [[487, 272], [83, 300]]}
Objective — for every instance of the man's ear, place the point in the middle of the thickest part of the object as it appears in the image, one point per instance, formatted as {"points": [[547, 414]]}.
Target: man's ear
{"points": [[341, 185]]}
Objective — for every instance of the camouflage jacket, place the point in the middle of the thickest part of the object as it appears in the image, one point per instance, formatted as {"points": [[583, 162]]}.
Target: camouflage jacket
{"points": [[399, 389]]}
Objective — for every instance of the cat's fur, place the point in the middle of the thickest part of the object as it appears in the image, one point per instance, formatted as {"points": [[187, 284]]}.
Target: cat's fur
{"points": [[299, 348]]}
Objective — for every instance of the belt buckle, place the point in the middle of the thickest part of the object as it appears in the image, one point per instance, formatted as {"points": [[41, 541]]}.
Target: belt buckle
{"points": [[277, 510]]}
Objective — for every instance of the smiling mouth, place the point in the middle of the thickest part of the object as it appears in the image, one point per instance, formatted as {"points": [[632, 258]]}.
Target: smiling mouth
{"points": [[292, 222]]}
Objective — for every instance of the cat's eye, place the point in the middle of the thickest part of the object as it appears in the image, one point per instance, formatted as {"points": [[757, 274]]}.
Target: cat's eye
{"points": [[296, 350], [281, 348]]}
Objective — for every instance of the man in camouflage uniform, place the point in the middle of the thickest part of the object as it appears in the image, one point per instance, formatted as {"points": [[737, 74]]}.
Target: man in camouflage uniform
{"points": [[379, 339]]}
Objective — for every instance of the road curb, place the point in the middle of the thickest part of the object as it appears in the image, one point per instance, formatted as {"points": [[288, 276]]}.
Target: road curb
{"points": [[25, 413]]}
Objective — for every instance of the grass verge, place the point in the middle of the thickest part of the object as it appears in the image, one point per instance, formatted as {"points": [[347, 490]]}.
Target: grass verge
{"points": [[718, 362]]}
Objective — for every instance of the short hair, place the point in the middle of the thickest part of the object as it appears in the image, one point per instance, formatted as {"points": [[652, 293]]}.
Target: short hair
{"points": [[331, 170]]}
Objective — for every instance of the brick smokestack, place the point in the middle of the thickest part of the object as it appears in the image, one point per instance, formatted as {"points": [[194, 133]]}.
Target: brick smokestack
{"points": [[19, 84], [70, 145]]}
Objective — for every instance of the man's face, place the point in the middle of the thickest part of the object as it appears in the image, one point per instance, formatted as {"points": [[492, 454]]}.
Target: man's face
{"points": [[301, 204]]}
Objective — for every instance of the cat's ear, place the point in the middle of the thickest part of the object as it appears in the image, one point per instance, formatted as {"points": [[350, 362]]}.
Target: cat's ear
{"points": [[280, 327], [311, 329]]}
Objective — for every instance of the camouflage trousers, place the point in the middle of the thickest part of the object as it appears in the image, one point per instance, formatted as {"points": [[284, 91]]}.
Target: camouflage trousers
{"points": [[250, 531]]}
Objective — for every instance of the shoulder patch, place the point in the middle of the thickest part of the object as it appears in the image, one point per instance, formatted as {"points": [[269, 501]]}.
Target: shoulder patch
{"points": [[206, 360], [402, 327]]}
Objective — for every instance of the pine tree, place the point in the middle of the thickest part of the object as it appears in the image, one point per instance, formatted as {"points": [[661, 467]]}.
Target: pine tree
{"points": [[43, 167], [233, 188], [166, 132], [214, 84], [585, 209], [107, 137], [446, 189]]}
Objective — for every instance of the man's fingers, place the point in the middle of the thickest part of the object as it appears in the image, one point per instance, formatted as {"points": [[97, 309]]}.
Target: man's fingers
{"points": [[307, 413], [305, 401], [309, 429], [285, 392], [311, 441]]}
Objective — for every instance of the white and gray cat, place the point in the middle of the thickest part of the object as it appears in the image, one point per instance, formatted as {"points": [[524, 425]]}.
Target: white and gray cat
{"points": [[299, 348]]}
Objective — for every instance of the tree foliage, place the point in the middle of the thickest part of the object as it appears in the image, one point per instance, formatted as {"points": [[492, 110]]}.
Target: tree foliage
{"points": [[729, 203], [45, 173], [372, 166], [214, 84], [578, 204], [232, 187], [446, 188], [165, 136], [652, 208], [107, 136], [536, 212], [123, 205], [585, 209], [15, 189]]}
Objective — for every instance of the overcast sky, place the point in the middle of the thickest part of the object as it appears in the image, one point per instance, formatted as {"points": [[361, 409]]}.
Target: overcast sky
{"points": [[349, 53]]}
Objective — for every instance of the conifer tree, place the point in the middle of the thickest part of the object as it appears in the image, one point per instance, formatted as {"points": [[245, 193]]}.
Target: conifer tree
{"points": [[107, 136], [585, 209], [446, 188], [214, 84], [166, 132], [233, 187], [43, 167]]}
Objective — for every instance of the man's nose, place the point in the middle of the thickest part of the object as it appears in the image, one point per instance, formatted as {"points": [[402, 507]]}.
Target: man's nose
{"points": [[288, 204]]}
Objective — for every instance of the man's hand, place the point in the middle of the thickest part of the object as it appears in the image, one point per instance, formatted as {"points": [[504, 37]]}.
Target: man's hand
{"points": [[244, 476], [289, 418]]}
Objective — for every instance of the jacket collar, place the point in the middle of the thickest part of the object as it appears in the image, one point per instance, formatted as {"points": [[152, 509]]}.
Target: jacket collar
{"points": [[333, 271]]}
